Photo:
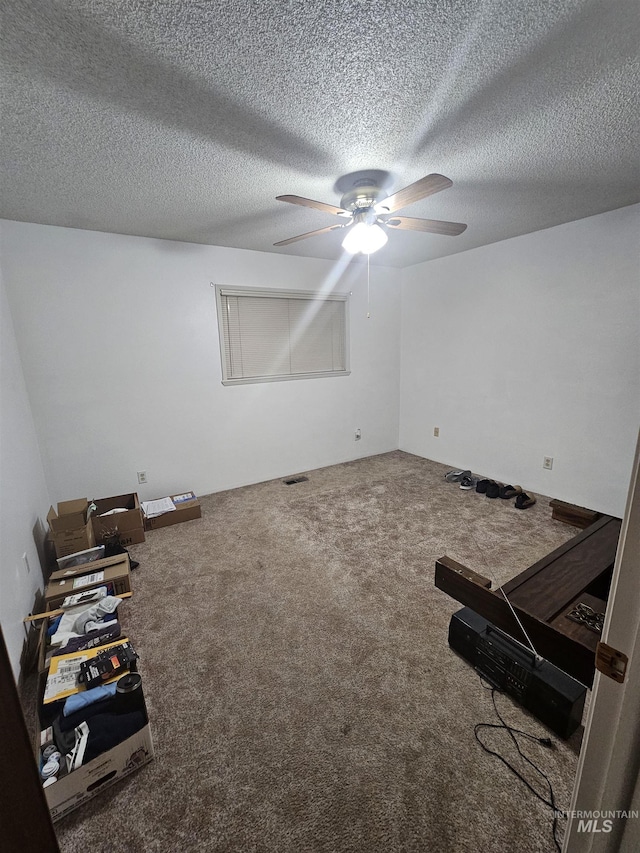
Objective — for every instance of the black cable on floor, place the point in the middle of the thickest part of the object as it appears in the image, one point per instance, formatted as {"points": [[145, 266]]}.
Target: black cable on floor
{"points": [[547, 742]]}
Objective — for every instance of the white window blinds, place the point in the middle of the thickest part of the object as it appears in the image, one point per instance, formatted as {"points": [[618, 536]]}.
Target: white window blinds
{"points": [[271, 335]]}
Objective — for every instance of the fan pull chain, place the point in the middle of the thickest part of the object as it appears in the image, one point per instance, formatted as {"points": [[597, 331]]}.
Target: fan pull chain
{"points": [[368, 292]]}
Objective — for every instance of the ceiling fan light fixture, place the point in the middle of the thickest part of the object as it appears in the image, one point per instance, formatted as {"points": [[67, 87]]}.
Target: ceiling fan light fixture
{"points": [[362, 205], [364, 238]]}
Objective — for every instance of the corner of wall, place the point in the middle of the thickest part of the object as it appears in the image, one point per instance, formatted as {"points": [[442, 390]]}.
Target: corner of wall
{"points": [[24, 497]]}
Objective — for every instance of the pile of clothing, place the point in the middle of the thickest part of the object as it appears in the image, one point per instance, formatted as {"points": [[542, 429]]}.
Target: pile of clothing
{"points": [[90, 723], [90, 623]]}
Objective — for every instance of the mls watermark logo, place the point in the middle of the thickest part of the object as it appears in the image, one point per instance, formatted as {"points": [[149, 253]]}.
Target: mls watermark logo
{"points": [[596, 821], [595, 824]]}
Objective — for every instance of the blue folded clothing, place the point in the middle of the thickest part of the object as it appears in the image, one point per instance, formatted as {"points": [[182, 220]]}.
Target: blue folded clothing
{"points": [[87, 697]]}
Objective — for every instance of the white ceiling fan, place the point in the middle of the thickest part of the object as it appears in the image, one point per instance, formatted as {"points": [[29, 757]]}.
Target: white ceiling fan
{"points": [[369, 213]]}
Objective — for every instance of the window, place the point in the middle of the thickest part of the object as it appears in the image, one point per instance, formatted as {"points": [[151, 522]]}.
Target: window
{"points": [[271, 335]]}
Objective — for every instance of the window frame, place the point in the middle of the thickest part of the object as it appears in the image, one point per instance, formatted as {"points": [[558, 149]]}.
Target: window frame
{"points": [[223, 291]]}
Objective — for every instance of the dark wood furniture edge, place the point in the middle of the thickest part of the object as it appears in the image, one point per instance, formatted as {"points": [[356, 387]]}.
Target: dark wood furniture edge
{"points": [[566, 653], [572, 514], [463, 570], [546, 592], [574, 629], [545, 561]]}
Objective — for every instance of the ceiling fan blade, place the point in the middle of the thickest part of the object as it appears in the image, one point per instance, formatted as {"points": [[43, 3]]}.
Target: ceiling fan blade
{"points": [[308, 234], [414, 192], [317, 205], [433, 226]]}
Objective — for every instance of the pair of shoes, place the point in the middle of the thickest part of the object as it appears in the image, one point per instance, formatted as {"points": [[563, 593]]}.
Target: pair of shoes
{"points": [[456, 476], [508, 492], [525, 500], [467, 483], [493, 489], [488, 487]]}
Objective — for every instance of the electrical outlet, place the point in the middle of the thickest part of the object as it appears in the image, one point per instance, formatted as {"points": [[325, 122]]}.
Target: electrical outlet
{"points": [[547, 462], [142, 476], [436, 432], [25, 560], [358, 435]]}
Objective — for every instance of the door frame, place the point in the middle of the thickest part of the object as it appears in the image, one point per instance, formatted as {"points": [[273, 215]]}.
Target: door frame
{"points": [[607, 774]]}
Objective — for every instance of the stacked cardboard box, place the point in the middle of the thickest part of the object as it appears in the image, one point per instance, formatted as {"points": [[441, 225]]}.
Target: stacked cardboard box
{"points": [[127, 524], [112, 570], [70, 527]]}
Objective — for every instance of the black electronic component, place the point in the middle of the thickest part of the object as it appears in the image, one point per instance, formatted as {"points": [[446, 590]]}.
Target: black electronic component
{"points": [[551, 695], [107, 664]]}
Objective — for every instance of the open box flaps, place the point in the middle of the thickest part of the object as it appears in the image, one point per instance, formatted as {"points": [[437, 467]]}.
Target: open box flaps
{"points": [[121, 515], [70, 526]]}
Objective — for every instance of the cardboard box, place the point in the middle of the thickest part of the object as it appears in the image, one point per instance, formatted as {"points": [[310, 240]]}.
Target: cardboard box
{"points": [[75, 788], [72, 789], [187, 507], [43, 642], [71, 527], [129, 524], [112, 570], [89, 568]]}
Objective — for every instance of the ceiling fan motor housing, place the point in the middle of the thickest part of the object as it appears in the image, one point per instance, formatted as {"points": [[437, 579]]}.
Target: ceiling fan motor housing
{"points": [[361, 197]]}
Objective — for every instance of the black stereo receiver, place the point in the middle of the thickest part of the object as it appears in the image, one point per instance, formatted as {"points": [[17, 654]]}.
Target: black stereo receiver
{"points": [[551, 695]]}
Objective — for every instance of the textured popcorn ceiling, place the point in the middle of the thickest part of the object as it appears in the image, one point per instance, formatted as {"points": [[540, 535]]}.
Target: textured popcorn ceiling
{"points": [[184, 120]]}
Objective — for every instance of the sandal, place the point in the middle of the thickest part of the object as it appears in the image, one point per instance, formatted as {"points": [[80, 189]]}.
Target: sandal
{"points": [[508, 492], [524, 500], [456, 476], [493, 489]]}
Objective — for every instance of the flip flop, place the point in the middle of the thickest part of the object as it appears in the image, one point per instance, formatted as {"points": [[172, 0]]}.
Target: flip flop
{"points": [[524, 500], [481, 486], [508, 492], [456, 476], [493, 489]]}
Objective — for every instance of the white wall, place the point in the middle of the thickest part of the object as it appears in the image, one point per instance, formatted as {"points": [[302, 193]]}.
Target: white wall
{"points": [[119, 344], [517, 350], [529, 348], [24, 500]]}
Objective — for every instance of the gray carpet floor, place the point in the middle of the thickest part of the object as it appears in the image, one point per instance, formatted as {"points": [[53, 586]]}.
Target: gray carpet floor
{"points": [[301, 691]]}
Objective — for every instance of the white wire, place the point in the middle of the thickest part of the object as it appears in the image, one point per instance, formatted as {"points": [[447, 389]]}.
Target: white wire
{"points": [[533, 648]]}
